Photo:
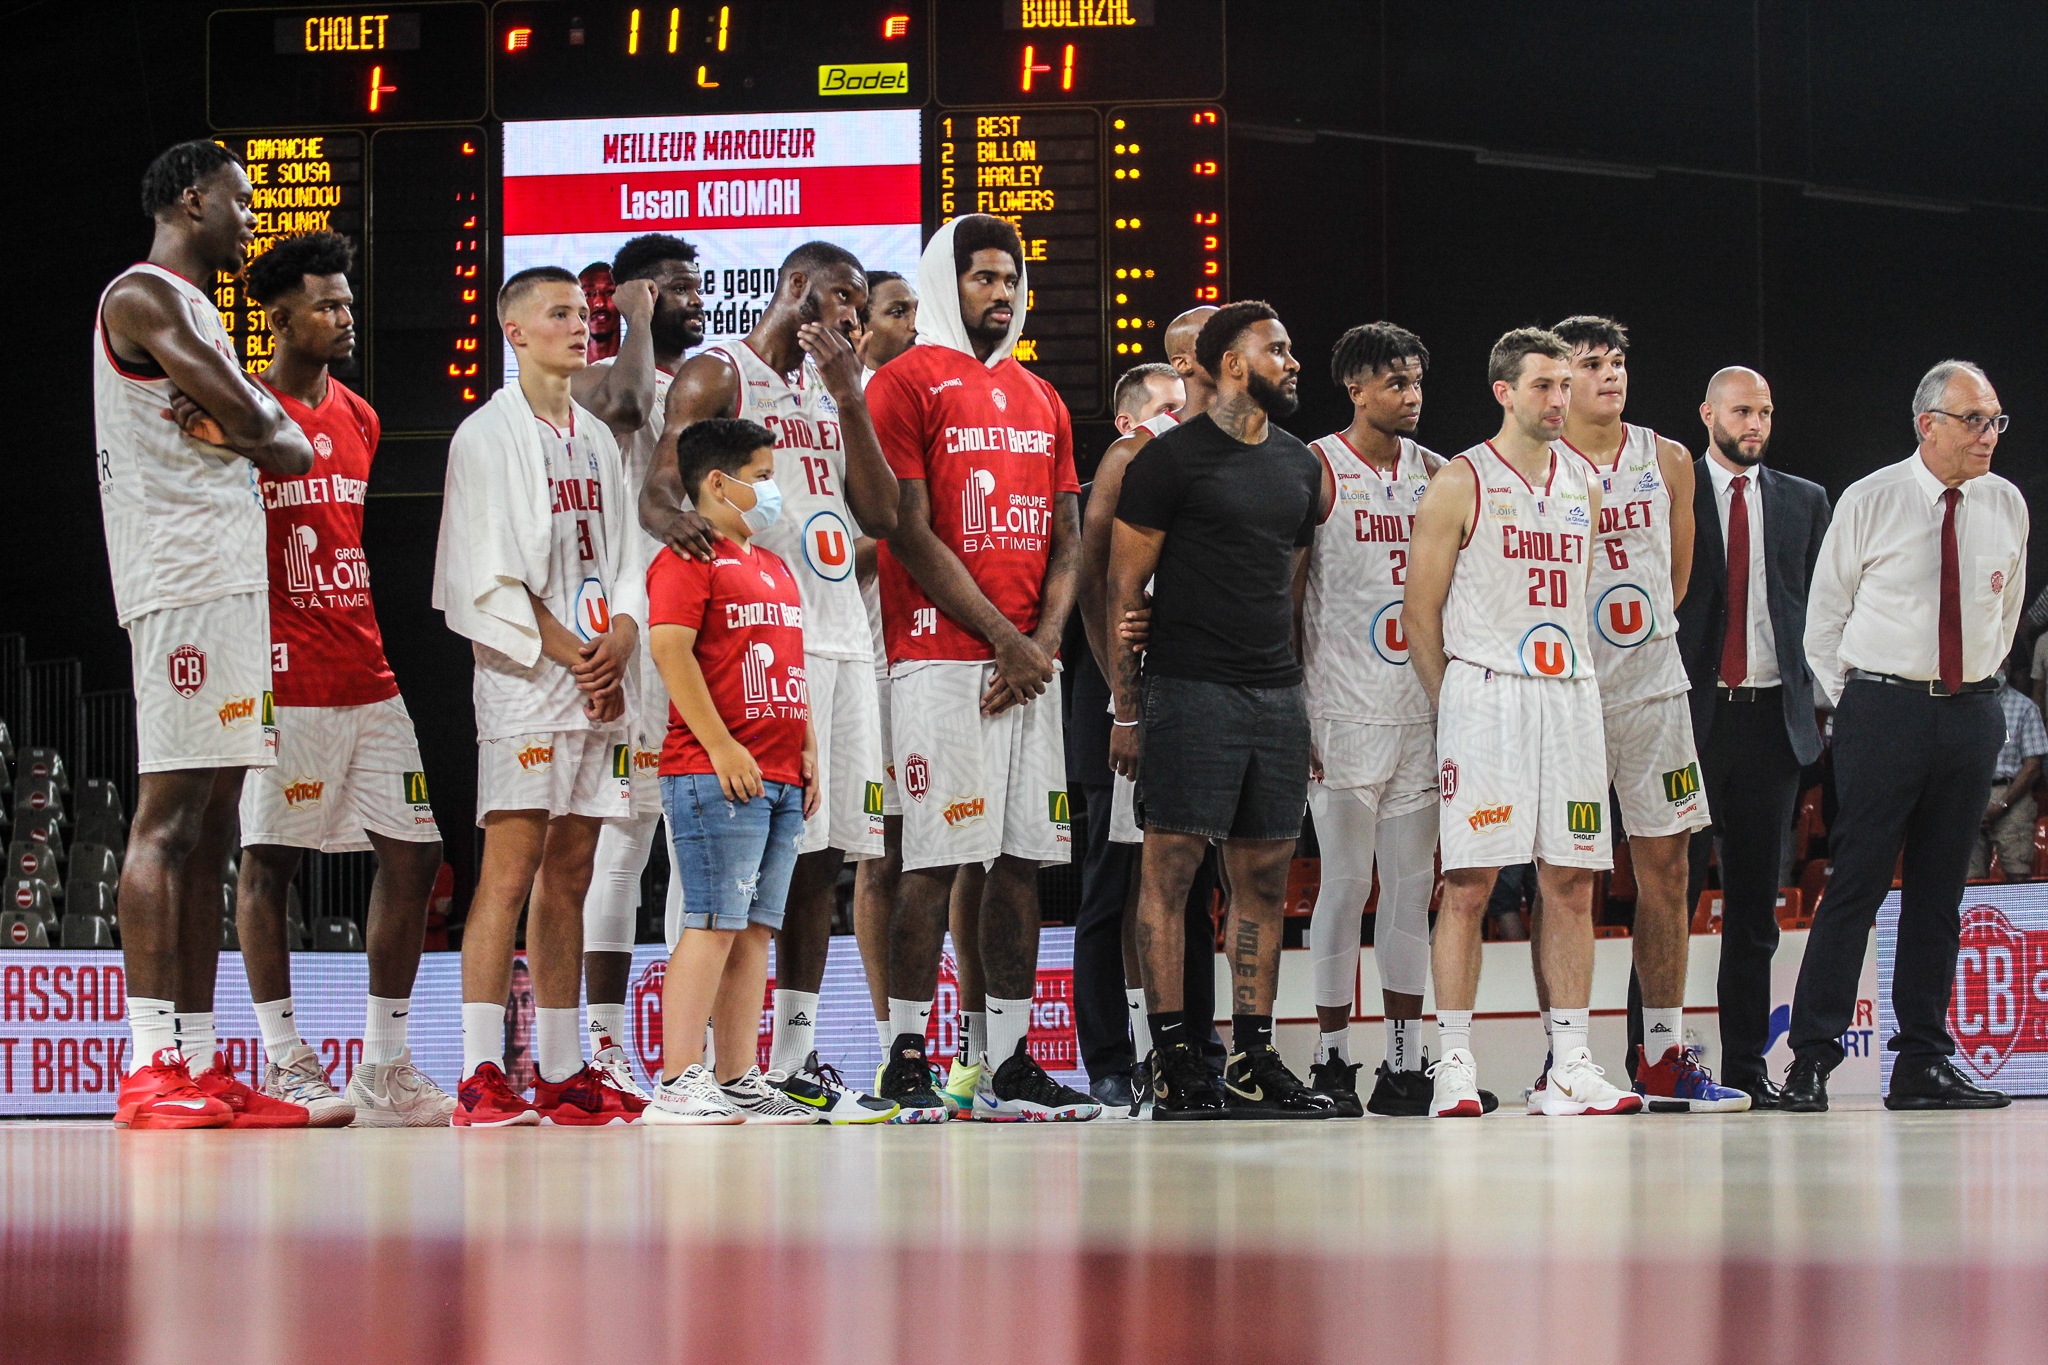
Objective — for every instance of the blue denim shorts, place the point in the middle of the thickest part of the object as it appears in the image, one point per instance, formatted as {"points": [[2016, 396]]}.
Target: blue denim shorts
{"points": [[735, 858]]}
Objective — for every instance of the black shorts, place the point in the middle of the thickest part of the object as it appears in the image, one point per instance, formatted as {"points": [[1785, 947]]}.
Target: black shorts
{"points": [[1223, 761]]}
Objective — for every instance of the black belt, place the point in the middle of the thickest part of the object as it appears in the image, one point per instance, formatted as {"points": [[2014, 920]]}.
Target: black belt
{"points": [[1931, 686], [1726, 693]]}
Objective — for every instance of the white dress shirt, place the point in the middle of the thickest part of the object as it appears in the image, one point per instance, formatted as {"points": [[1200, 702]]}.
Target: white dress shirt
{"points": [[1763, 643], [1876, 600]]}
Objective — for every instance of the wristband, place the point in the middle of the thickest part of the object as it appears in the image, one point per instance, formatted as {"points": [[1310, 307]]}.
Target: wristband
{"points": [[1124, 724]]}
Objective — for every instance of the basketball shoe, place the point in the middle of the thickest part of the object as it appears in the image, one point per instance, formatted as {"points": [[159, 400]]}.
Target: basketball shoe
{"points": [[818, 1085], [1406, 1094], [486, 1100], [1574, 1085], [251, 1107], [1258, 1085], [962, 1080], [1456, 1094], [1021, 1092], [398, 1095], [1183, 1088], [1337, 1080], [1678, 1084], [162, 1095], [906, 1080], [610, 1062], [691, 1098], [297, 1078], [584, 1100], [761, 1102]]}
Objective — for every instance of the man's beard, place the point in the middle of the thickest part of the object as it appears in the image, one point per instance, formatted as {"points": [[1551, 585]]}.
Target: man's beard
{"points": [[1732, 448], [1277, 401], [994, 333], [676, 330]]}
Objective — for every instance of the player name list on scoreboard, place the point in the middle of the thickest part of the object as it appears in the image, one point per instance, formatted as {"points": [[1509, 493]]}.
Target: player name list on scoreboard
{"points": [[302, 182], [1040, 171]]}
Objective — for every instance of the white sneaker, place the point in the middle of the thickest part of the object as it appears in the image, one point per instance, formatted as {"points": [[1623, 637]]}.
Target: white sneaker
{"points": [[761, 1102], [1457, 1087], [693, 1097], [819, 1087], [398, 1094], [296, 1078], [1576, 1086], [611, 1062], [1534, 1095]]}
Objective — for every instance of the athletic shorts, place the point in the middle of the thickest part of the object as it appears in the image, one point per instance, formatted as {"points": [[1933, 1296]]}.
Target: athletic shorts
{"points": [[648, 733], [569, 772], [846, 716], [1392, 768], [343, 772], [977, 787], [1223, 760], [1654, 767], [202, 685], [1524, 770], [892, 797]]}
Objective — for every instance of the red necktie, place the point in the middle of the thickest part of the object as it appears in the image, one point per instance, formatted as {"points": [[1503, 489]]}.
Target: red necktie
{"points": [[1735, 644], [1951, 626]]}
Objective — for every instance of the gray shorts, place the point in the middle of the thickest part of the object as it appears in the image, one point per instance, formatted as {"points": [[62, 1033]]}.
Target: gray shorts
{"points": [[1224, 761]]}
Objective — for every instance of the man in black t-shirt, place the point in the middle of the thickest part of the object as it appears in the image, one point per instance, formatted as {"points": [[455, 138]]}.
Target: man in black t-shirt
{"points": [[1218, 512]]}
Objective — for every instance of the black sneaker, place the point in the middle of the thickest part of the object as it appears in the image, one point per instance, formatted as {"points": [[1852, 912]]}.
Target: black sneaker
{"points": [[1181, 1086], [1406, 1094], [907, 1082], [1113, 1091], [1339, 1080], [1141, 1087], [1021, 1092], [1258, 1085]]}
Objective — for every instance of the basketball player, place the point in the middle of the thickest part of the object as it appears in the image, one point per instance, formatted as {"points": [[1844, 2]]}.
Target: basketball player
{"points": [[182, 435], [598, 286], [1642, 561], [889, 326], [657, 290], [797, 375], [348, 774], [539, 567], [977, 580], [1375, 794], [1495, 612]]}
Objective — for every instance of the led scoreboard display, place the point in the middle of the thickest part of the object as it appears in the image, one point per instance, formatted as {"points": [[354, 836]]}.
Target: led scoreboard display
{"points": [[422, 63]]}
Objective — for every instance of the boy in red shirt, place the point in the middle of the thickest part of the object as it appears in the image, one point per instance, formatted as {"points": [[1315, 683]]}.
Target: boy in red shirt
{"points": [[738, 774]]}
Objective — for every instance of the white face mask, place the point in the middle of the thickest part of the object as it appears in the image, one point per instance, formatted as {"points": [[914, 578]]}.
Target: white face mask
{"points": [[767, 505]]}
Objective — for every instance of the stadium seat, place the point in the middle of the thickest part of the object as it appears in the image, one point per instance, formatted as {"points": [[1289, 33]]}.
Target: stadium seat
{"points": [[1706, 916], [103, 830], [23, 929], [336, 934], [295, 937], [230, 937], [26, 858], [6, 743], [42, 829], [6, 775], [38, 796], [88, 931], [1790, 914], [97, 796], [90, 896], [32, 895], [1304, 880], [39, 762], [94, 861]]}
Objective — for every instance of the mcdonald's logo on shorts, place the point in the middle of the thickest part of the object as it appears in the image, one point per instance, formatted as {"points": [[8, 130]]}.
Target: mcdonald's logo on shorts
{"points": [[871, 802], [415, 789], [622, 760], [1582, 817], [1056, 808], [1682, 784], [269, 710]]}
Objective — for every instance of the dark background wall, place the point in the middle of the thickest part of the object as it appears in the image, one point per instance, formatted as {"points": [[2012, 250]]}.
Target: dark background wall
{"points": [[1837, 194]]}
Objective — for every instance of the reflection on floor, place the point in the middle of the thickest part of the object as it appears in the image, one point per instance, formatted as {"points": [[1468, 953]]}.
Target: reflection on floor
{"points": [[1856, 1236]]}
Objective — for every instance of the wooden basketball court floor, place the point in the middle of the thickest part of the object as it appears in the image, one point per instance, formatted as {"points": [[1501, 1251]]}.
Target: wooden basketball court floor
{"points": [[1856, 1236]]}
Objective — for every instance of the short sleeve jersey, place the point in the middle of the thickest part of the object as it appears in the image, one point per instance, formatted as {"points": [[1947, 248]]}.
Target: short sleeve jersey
{"points": [[325, 648], [748, 614], [995, 449]]}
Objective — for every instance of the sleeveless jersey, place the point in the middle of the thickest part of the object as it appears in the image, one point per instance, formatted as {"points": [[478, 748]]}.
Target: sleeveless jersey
{"points": [[1634, 621], [644, 690], [1158, 424], [184, 521], [1518, 594], [815, 534], [1355, 653]]}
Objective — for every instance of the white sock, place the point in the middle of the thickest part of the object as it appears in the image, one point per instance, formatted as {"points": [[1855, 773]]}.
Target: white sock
{"points": [[1568, 1031], [1141, 1025], [607, 1021], [882, 1032], [558, 1041], [195, 1039], [1404, 1039], [153, 1026], [796, 1030], [1662, 1031], [483, 1035], [280, 1031], [384, 1028], [907, 1016], [1008, 1023], [1453, 1030], [1330, 1045], [977, 1033]]}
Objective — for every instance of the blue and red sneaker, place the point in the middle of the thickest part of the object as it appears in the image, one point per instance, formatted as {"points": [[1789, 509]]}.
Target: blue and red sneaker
{"points": [[1678, 1084]]}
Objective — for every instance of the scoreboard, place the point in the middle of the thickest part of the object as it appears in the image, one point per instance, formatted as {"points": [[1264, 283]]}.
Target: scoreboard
{"points": [[455, 141]]}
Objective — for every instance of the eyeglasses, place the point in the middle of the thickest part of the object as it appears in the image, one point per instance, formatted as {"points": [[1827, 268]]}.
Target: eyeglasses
{"points": [[1978, 425]]}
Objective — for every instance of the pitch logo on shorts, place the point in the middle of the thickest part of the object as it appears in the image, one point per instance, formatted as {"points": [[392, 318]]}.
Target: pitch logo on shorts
{"points": [[306, 791], [1547, 652], [536, 756], [187, 668], [828, 546], [1582, 818], [237, 711], [1624, 616], [1389, 639], [917, 777], [1491, 817], [964, 810]]}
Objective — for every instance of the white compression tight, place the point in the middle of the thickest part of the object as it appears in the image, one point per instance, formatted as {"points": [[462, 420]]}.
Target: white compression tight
{"points": [[1352, 834], [612, 905]]}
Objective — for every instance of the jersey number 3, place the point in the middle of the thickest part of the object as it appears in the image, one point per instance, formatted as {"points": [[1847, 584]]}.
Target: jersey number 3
{"points": [[584, 549]]}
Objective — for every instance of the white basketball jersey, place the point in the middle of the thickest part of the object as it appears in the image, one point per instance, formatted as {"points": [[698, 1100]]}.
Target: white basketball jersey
{"points": [[644, 691], [184, 520], [815, 534], [1518, 593], [1355, 652], [1634, 621], [1158, 424]]}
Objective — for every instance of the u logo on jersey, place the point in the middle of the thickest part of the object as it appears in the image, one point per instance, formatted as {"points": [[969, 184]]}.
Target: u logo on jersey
{"points": [[1389, 638], [1546, 652], [828, 546], [593, 614], [1624, 616]]}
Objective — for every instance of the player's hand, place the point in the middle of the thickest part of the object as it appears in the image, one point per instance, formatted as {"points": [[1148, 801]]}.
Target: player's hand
{"points": [[1123, 750], [194, 420], [603, 661], [812, 791], [860, 343], [635, 301], [1022, 667], [838, 363], [689, 535], [607, 705], [1315, 764], [1135, 629], [739, 777]]}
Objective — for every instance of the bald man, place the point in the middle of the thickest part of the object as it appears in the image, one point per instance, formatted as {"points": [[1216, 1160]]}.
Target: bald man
{"points": [[1741, 630]]}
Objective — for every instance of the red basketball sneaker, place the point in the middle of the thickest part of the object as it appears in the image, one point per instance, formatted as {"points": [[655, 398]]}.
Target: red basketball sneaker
{"points": [[250, 1107], [161, 1095], [484, 1100], [585, 1100]]}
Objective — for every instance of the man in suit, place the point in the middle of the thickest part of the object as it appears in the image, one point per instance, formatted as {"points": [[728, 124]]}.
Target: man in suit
{"points": [[1742, 635]]}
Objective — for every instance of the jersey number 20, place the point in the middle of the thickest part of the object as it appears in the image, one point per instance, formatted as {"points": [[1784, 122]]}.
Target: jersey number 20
{"points": [[1547, 588]]}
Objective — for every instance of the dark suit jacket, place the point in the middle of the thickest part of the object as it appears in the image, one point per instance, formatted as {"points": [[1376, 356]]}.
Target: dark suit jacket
{"points": [[1795, 520]]}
